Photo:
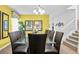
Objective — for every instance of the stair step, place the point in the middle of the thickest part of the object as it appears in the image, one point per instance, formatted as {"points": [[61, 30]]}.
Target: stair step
{"points": [[72, 41], [70, 45], [75, 34], [76, 31], [74, 37]]}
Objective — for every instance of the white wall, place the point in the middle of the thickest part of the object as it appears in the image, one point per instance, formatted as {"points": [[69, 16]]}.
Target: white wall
{"points": [[78, 11], [78, 23], [68, 18], [78, 17], [51, 21]]}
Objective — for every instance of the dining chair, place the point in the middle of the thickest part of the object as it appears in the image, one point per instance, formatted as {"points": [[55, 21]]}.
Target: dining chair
{"points": [[17, 48], [37, 43], [55, 49], [50, 35]]}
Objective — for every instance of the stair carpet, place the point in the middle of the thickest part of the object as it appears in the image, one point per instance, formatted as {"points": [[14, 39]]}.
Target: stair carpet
{"points": [[72, 41]]}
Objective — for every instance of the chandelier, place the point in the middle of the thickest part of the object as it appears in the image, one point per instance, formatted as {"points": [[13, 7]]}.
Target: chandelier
{"points": [[39, 10]]}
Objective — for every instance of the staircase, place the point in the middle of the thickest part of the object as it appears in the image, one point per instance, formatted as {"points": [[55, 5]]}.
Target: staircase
{"points": [[72, 41]]}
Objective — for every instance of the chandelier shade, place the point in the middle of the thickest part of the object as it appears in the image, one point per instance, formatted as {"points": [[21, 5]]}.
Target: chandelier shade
{"points": [[39, 10]]}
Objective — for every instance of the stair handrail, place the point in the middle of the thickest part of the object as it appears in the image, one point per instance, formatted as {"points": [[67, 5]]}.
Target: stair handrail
{"points": [[68, 24]]}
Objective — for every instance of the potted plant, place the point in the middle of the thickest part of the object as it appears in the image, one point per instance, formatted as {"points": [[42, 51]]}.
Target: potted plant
{"points": [[21, 26]]}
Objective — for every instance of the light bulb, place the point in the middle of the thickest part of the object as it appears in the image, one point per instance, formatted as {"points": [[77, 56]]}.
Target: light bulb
{"points": [[35, 11]]}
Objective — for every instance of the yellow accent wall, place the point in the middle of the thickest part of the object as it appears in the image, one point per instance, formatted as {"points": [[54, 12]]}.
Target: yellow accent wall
{"points": [[7, 10], [44, 18]]}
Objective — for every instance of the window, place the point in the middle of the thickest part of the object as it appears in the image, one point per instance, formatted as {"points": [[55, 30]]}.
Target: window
{"points": [[14, 24]]}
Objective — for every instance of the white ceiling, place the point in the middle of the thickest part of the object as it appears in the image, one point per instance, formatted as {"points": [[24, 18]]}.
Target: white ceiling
{"points": [[50, 9]]}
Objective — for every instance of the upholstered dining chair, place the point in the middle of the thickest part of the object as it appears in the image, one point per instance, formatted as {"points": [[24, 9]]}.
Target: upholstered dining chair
{"points": [[17, 48], [37, 43], [50, 34], [55, 49]]}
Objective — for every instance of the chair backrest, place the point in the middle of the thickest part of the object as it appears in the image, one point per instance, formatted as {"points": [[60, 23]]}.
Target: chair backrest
{"points": [[46, 31], [58, 38], [14, 36], [37, 43], [22, 33], [50, 34]]}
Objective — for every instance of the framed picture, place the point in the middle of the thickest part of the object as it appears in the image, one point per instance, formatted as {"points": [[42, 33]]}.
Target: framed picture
{"points": [[28, 25], [5, 25], [0, 25], [38, 25]]}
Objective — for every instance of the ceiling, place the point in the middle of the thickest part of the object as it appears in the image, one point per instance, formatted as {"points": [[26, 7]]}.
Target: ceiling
{"points": [[50, 9]]}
